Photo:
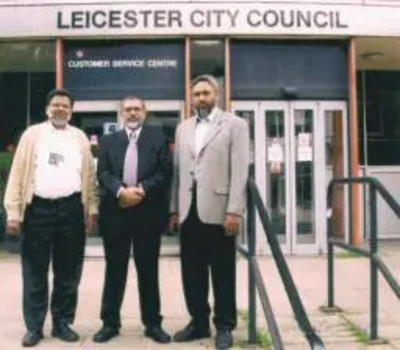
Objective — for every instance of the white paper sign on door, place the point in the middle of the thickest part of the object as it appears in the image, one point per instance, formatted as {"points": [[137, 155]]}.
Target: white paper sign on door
{"points": [[304, 154], [275, 152], [304, 139], [304, 149]]}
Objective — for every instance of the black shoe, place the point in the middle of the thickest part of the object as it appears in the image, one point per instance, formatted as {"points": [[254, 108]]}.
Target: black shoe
{"points": [[223, 340], [191, 332], [32, 338], [105, 334], [157, 334], [65, 333]]}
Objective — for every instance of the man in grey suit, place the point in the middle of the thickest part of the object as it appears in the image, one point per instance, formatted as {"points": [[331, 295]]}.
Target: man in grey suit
{"points": [[207, 202]]}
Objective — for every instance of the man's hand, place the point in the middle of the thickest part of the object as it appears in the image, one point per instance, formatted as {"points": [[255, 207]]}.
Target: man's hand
{"points": [[130, 197], [141, 191], [232, 224], [13, 227], [91, 224], [173, 223]]}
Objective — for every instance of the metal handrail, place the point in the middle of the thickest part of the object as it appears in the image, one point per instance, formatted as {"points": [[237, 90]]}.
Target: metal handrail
{"points": [[376, 263], [256, 282], [255, 279]]}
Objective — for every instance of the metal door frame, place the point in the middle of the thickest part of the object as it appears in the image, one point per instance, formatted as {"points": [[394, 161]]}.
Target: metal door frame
{"points": [[291, 245], [326, 106]]}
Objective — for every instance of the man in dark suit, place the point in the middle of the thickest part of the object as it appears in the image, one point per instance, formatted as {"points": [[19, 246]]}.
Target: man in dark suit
{"points": [[134, 174]]}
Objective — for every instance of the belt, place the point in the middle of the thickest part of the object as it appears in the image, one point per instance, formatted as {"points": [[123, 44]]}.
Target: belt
{"points": [[41, 200]]}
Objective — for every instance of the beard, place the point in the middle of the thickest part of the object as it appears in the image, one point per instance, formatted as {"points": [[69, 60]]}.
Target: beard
{"points": [[58, 121], [204, 111], [133, 124]]}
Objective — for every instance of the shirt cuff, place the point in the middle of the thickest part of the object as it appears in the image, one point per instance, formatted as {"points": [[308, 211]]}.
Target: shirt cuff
{"points": [[119, 191], [141, 186]]}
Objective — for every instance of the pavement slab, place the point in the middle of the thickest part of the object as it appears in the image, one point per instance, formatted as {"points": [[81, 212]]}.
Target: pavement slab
{"points": [[309, 274]]}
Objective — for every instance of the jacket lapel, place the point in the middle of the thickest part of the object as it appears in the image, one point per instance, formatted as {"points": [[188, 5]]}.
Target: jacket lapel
{"points": [[190, 133], [123, 141], [121, 146], [215, 127]]}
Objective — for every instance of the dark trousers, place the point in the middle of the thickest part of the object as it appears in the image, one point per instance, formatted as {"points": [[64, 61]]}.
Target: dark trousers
{"points": [[53, 230], [146, 250], [205, 248]]}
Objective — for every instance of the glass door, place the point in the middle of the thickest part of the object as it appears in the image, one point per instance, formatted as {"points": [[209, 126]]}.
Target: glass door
{"points": [[307, 178], [291, 176], [267, 166], [295, 155], [272, 129]]}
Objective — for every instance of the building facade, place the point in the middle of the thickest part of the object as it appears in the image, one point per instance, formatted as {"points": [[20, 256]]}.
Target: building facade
{"points": [[318, 82]]}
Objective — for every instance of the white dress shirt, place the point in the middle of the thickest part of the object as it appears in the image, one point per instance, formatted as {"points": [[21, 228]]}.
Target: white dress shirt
{"points": [[137, 132], [202, 128], [58, 164]]}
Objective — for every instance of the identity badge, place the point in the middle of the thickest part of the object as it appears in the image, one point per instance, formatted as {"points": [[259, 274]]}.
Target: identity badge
{"points": [[55, 158]]}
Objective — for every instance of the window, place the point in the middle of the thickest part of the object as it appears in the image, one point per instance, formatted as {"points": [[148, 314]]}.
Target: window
{"points": [[208, 57], [27, 73]]}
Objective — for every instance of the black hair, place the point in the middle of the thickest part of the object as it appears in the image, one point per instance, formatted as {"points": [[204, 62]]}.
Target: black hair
{"points": [[59, 92]]}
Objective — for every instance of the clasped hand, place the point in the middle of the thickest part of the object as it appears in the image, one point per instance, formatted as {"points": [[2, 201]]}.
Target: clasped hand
{"points": [[130, 197]]}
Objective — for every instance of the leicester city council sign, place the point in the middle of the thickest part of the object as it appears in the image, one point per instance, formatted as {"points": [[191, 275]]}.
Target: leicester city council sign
{"points": [[196, 18], [191, 18]]}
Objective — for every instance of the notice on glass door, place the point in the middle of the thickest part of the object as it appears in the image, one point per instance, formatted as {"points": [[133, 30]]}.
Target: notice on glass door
{"points": [[304, 149], [275, 152]]}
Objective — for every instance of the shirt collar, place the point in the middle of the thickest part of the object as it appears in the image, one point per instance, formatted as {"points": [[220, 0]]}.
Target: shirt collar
{"points": [[54, 129], [130, 132]]}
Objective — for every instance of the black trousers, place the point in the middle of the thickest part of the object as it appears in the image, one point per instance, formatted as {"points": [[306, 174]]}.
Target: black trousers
{"points": [[53, 230], [205, 248], [146, 250]]}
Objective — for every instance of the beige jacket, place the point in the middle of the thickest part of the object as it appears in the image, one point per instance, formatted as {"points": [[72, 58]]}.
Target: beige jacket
{"points": [[220, 169], [20, 186]]}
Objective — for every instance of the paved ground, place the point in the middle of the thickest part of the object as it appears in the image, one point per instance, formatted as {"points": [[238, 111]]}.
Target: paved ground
{"points": [[339, 331]]}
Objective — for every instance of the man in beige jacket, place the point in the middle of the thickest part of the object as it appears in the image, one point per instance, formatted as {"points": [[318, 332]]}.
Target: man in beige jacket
{"points": [[211, 164], [51, 199]]}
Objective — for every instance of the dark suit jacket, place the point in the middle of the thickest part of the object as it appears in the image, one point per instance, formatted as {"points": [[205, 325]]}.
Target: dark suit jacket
{"points": [[154, 174]]}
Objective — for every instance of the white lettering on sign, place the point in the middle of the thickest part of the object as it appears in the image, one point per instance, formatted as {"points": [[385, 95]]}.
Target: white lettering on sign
{"points": [[88, 64], [162, 63], [123, 63], [128, 63]]}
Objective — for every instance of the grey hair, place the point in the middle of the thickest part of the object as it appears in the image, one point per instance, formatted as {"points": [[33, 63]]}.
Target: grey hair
{"points": [[130, 98], [208, 79]]}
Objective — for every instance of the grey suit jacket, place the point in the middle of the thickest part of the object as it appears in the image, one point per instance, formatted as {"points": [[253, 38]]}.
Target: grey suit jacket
{"points": [[220, 169]]}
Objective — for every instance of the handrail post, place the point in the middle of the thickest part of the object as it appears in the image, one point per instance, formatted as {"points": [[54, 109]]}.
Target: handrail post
{"points": [[331, 277], [373, 265], [251, 232], [331, 271]]}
